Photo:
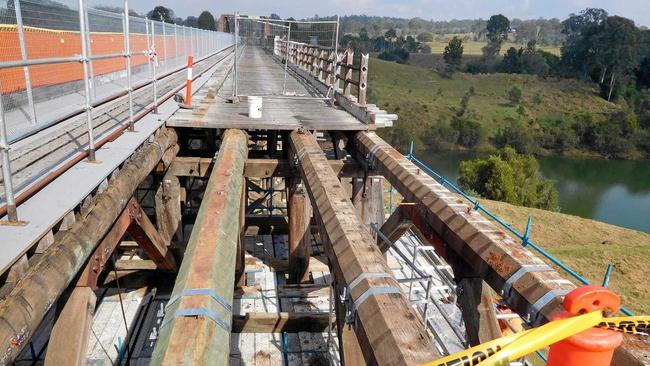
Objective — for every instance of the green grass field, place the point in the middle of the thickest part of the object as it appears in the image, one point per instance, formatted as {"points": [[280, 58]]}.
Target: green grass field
{"points": [[422, 97], [473, 48]]}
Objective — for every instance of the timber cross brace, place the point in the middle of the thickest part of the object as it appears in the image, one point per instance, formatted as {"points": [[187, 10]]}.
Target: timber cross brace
{"points": [[134, 221]]}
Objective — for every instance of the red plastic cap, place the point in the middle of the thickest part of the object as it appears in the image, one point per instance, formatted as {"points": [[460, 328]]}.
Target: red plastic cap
{"points": [[586, 299]]}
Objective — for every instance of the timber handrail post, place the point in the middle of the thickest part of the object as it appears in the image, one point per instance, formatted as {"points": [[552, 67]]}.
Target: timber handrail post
{"points": [[349, 59], [363, 79], [320, 65]]}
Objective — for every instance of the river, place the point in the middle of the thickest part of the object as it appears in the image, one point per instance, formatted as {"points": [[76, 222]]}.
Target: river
{"points": [[612, 191]]}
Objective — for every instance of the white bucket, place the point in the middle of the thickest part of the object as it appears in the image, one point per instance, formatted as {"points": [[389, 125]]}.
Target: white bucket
{"points": [[255, 107]]}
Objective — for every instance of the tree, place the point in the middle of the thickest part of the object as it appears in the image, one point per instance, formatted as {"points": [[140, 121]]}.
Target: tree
{"points": [[619, 49], [509, 177], [497, 32], [191, 21], [577, 53], [512, 61], [604, 48], [643, 74], [391, 33], [514, 95], [425, 37], [469, 132], [517, 137], [206, 21], [274, 16], [453, 54], [161, 13]]}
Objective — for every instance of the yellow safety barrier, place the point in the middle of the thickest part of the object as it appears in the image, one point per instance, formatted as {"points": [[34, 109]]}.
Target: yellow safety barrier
{"points": [[512, 347]]}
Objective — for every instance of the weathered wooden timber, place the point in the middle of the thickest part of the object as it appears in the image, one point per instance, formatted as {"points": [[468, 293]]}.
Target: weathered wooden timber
{"points": [[196, 327], [26, 305], [536, 291], [389, 331]]}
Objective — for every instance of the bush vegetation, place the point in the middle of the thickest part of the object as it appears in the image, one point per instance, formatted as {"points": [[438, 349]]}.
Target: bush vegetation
{"points": [[509, 177]]}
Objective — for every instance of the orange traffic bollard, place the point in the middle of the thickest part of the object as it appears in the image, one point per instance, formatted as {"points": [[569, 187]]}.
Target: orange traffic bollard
{"points": [[188, 87], [595, 346]]}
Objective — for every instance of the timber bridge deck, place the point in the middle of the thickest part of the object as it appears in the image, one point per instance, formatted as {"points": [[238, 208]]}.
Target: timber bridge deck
{"points": [[208, 237]]}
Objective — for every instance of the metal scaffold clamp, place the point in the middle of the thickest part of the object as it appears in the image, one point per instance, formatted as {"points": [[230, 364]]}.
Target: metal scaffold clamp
{"points": [[352, 305]]}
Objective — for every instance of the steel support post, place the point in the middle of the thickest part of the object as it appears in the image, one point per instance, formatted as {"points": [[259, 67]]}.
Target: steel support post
{"points": [[234, 89], [192, 41], [286, 61], [23, 55], [12, 214], [84, 62], [93, 84], [164, 34], [127, 57], [184, 43], [176, 42], [154, 61]]}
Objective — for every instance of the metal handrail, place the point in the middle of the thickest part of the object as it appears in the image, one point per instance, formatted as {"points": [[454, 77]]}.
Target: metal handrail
{"points": [[207, 45]]}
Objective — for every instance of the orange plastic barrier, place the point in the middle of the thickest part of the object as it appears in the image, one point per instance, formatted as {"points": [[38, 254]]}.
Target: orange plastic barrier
{"points": [[595, 346], [48, 44]]}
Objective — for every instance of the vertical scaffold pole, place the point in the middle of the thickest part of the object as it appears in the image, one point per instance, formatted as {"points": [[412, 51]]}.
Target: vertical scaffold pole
{"points": [[234, 88], [89, 52], [185, 54], [84, 61], [192, 41], [127, 56], [164, 34], [286, 60], [154, 60], [176, 42], [23, 55], [12, 214]]}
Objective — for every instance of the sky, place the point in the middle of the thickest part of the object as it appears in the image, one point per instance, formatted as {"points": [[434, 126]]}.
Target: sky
{"points": [[637, 10]]}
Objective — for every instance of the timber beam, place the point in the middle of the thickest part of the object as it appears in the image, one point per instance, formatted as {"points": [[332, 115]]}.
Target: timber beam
{"points": [[388, 329], [281, 322], [257, 168], [528, 285], [299, 213], [26, 305], [494, 256], [68, 343], [197, 322], [395, 226]]}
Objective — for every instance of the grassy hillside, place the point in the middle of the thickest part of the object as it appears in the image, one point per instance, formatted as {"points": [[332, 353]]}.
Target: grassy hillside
{"points": [[423, 97], [588, 246]]}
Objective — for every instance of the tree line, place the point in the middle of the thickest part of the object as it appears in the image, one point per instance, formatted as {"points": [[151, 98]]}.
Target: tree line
{"points": [[546, 32], [205, 20]]}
